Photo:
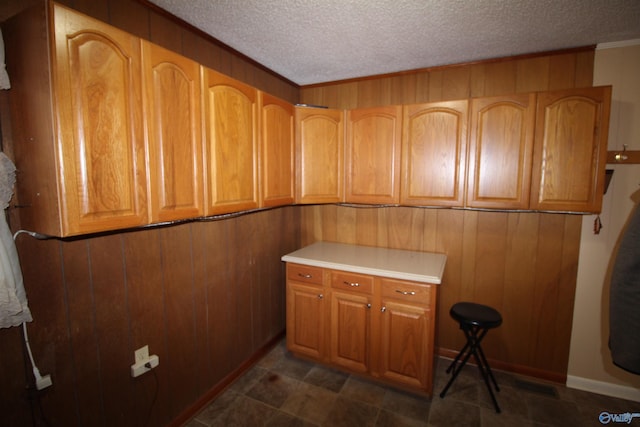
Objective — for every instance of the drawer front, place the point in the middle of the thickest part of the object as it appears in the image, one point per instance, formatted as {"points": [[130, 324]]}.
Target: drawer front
{"points": [[351, 282], [304, 273], [412, 292]]}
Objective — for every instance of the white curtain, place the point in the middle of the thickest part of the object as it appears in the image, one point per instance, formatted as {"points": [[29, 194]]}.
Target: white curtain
{"points": [[4, 77], [13, 298]]}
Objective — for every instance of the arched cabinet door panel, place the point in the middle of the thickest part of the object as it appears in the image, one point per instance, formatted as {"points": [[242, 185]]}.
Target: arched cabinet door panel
{"points": [[373, 155], [319, 155], [97, 83], [174, 137], [277, 155], [434, 145], [231, 147], [500, 151], [570, 149]]}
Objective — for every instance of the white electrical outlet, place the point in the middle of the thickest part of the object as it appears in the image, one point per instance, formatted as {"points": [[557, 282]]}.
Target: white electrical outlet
{"points": [[141, 354], [144, 363]]}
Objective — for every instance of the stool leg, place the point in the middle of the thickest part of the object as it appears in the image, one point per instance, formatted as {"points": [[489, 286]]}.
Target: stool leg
{"points": [[486, 365], [457, 370], [460, 353], [483, 365], [466, 351], [472, 347]]}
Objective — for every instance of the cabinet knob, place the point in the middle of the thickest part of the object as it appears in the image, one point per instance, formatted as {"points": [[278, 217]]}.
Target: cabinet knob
{"points": [[405, 292], [368, 305], [353, 285], [320, 296], [383, 309]]}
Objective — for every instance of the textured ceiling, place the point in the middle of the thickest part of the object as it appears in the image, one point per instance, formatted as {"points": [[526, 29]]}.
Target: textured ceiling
{"points": [[315, 41]]}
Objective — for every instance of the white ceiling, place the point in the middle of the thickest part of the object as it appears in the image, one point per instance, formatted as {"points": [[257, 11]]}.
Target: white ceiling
{"points": [[315, 41]]}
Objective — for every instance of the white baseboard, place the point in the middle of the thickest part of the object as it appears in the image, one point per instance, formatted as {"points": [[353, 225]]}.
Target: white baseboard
{"points": [[601, 387]]}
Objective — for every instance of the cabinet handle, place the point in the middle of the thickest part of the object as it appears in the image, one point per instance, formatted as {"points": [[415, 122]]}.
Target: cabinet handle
{"points": [[368, 305], [353, 285], [383, 309], [306, 276], [320, 296], [405, 292]]}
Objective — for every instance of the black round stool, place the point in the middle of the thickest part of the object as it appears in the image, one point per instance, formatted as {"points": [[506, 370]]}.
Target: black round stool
{"points": [[475, 321]]}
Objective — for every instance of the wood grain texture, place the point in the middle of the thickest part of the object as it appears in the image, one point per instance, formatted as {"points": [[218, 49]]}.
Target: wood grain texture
{"points": [[522, 263], [372, 157], [174, 134], [231, 144], [98, 298], [277, 159]]}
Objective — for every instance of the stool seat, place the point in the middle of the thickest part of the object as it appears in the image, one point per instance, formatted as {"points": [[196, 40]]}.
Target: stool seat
{"points": [[475, 321], [474, 314]]}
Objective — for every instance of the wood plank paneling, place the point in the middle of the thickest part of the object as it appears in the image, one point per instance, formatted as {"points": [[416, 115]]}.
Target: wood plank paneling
{"points": [[111, 328], [532, 74], [177, 286], [164, 33], [204, 296], [523, 264], [80, 303], [145, 305]]}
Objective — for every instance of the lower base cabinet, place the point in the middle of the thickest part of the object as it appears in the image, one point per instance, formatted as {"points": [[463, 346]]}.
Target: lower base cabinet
{"points": [[374, 326]]}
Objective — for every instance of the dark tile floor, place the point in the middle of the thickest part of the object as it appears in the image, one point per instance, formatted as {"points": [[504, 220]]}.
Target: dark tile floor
{"points": [[283, 391]]}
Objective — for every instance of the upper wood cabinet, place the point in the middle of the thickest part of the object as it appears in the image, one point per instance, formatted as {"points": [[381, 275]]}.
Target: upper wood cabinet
{"points": [[174, 136], [373, 155], [500, 151], [319, 155], [277, 157], [231, 147], [78, 122], [571, 148], [434, 144]]}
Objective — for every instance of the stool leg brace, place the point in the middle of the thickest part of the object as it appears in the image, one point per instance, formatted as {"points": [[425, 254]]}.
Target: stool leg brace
{"points": [[474, 336]]}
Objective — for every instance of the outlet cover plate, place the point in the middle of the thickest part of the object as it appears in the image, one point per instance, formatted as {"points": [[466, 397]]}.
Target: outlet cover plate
{"points": [[142, 354]]}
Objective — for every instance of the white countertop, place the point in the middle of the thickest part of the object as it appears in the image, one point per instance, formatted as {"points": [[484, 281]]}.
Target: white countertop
{"points": [[425, 267]]}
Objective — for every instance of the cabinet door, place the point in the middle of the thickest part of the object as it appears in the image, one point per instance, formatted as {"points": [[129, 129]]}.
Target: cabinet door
{"points": [[570, 149], [174, 137], [277, 151], [434, 143], [305, 320], [98, 92], [406, 344], [407, 329], [319, 155], [500, 151], [373, 155], [350, 331], [231, 109]]}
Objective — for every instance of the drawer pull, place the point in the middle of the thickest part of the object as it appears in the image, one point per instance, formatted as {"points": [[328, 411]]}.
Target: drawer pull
{"points": [[383, 309], [405, 292], [306, 276], [353, 285], [320, 296], [368, 305]]}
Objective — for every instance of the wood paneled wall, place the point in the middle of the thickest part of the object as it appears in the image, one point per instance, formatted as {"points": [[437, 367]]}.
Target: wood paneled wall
{"points": [[523, 264], [205, 296], [560, 70]]}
